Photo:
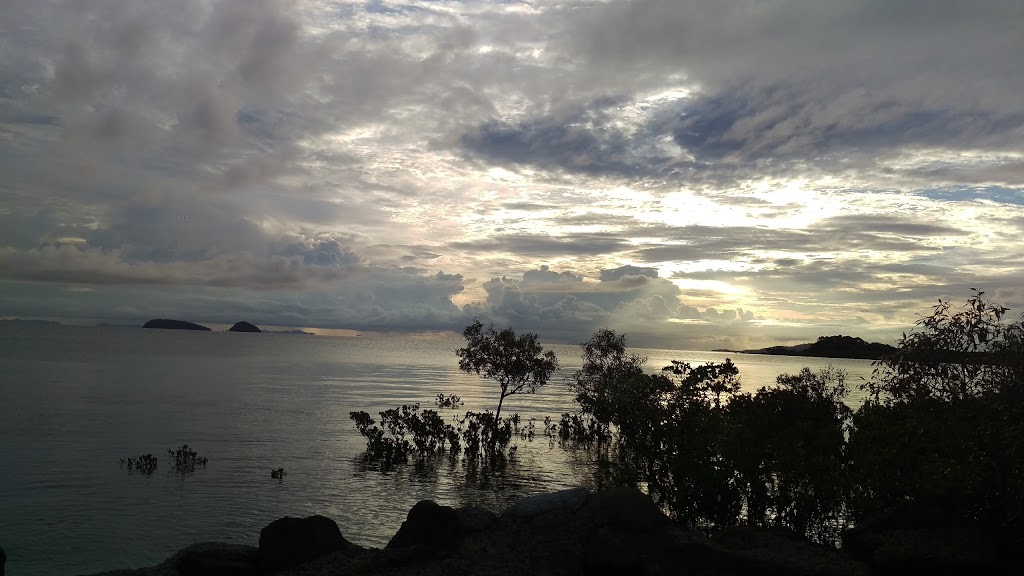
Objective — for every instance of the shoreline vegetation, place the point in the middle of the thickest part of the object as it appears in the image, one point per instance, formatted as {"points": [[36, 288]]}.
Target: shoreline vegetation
{"points": [[926, 476]]}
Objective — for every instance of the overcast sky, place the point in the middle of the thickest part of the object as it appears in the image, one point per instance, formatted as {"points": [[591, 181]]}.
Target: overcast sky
{"points": [[694, 173]]}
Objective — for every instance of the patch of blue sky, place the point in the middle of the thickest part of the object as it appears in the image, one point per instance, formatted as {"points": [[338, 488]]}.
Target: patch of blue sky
{"points": [[382, 7], [997, 194]]}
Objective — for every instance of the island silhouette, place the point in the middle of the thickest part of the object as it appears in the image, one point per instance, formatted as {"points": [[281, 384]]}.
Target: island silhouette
{"points": [[828, 347]]}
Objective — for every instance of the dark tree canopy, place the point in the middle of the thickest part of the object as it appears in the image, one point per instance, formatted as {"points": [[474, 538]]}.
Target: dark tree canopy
{"points": [[955, 355], [518, 363]]}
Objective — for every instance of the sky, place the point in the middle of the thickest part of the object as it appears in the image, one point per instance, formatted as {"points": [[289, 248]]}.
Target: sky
{"points": [[693, 173]]}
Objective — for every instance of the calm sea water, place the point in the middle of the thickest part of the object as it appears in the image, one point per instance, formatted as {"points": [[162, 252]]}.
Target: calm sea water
{"points": [[73, 400]]}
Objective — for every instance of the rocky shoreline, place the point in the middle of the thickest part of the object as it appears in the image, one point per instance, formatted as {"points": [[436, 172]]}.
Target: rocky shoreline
{"points": [[617, 531]]}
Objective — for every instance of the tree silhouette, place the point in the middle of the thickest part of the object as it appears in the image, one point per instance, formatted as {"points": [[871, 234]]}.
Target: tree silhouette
{"points": [[519, 364]]}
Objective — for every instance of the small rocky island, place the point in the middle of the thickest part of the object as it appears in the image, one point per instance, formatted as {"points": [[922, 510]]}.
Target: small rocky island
{"points": [[244, 327], [173, 325]]}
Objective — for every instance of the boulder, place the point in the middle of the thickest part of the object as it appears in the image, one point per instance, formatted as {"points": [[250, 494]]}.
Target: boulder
{"points": [[626, 533], [923, 537], [173, 325], [431, 526], [216, 559], [623, 508], [288, 541], [564, 500], [244, 327], [769, 551], [475, 519]]}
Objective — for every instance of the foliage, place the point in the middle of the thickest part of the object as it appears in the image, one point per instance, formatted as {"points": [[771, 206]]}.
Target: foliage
{"points": [[944, 419], [711, 456], [954, 356], [705, 382], [449, 401], [407, 432], [944, 424], [146, 463], [787, 447], [518, 364], [607, 374], [278, 474], [185, 459]]}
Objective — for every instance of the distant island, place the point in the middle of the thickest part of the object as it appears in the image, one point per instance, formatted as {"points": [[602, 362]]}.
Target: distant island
{"points": [[173, 325], [828, 347], [244, 327], [21, 322], [296, 332]]}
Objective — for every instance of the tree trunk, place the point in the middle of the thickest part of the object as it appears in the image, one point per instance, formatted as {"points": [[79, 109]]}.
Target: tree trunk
{"points": [[497, 423]]}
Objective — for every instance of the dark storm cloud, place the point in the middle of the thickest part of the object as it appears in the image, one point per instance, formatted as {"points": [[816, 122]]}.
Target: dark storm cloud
{"points": [[777, 123], [790, 123], [583, 139], [795, 82]]}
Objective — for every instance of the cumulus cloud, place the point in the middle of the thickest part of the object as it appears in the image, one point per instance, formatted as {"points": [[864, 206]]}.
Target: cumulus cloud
{"points": [[566, 306]]}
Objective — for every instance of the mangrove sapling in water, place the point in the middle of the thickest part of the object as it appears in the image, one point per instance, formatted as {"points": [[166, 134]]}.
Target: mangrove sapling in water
{"points": [[449, 401], [407, 431], [519, 364], [185, 459], [146, 463], [278, 474]]}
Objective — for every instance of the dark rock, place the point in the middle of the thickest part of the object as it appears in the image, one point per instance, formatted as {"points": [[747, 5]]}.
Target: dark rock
{"points": [[769, 551], [290, 541], [431, 526], [244, 327], [624, 508], [923, 538], [564, 500], [475, 519], [612, 551], [173, 325], [216, 559], [626, 533]]}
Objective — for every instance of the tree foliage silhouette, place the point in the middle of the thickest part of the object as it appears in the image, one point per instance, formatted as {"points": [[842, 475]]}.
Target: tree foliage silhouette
{"points": [[518, 363]]}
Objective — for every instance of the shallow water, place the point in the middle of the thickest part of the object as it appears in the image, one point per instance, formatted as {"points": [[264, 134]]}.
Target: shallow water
{"points": [[76, 399]]}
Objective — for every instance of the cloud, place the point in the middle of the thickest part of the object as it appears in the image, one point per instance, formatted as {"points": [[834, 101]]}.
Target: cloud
{"points": [[566, 306], [548, 246], [627, 270], [655, 166]]}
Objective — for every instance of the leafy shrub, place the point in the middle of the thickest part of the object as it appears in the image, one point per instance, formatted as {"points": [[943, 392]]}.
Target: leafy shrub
{"points": [[278, 474], [713, 457], [146, 463], [407, 432], [519, 364], [449, 401], [185, 459], [944, 419]]}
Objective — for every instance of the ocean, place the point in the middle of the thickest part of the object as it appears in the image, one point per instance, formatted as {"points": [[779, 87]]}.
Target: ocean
{"points": [[74, 400]]}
